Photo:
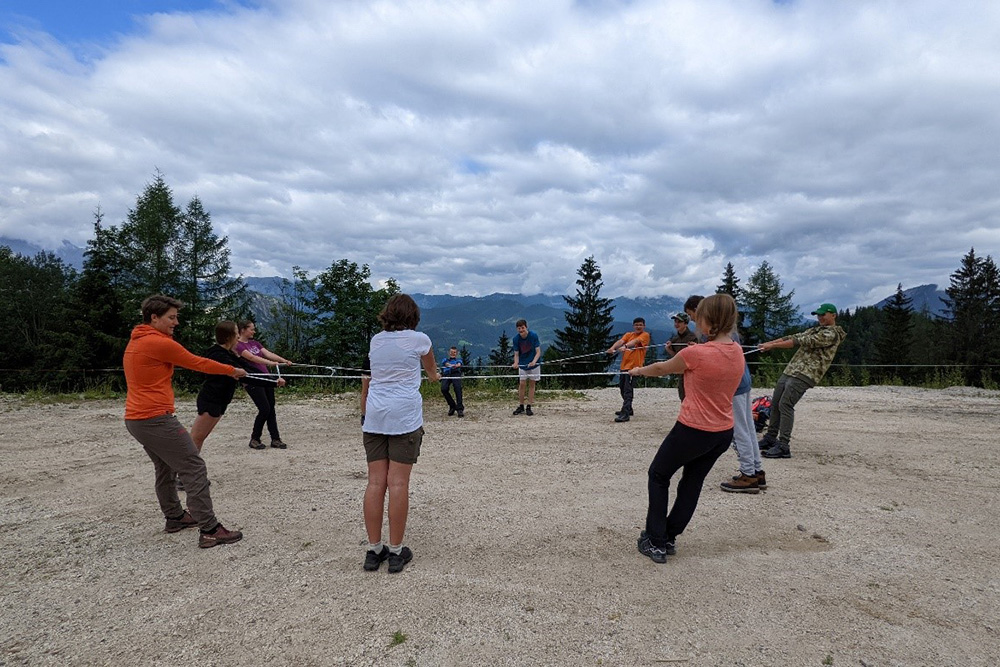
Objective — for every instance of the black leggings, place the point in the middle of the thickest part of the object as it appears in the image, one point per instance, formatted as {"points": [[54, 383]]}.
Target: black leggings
{"points": [[694, 450], [263, 398]]}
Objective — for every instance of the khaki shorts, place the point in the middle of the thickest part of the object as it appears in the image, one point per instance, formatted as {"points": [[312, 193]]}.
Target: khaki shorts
{"points": [[404, 448], [529, 373]]}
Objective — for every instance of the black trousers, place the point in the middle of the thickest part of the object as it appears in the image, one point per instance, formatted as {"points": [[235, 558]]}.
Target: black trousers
{"points": [[626, 385], [453, 403], [263, 398], [696, 452]]}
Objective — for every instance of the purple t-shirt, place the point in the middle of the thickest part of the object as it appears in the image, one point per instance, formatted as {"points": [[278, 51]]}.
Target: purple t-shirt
{"points": [[255, 349]]}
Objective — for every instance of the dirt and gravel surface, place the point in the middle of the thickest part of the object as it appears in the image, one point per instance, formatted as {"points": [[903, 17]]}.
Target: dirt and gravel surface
{"points": [[876, 544]]}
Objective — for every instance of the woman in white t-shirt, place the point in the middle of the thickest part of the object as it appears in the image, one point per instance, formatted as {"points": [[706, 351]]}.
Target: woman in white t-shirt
{"points": [[393, 426]]}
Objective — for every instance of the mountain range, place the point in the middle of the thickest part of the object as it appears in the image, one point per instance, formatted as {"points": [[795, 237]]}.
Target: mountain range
{"points": [[478, 321]]}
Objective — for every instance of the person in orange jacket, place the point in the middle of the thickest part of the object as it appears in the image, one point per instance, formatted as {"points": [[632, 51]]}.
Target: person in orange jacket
{"points": [[149, 363]]}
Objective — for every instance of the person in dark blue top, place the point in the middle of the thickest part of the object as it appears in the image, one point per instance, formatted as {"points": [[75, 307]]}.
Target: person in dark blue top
{"points": [[527, 353], [451, 376]]}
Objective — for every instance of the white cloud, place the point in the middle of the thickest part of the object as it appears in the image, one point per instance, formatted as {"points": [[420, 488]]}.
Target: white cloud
{"points": [[471, 148]]}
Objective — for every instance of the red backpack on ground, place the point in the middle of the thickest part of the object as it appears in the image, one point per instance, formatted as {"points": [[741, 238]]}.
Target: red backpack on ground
{"points": [[761, 407]]}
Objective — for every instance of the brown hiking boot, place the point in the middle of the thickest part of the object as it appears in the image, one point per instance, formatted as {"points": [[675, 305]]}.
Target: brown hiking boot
{"points": [[177, 525], [742, 484], [219, 536]]}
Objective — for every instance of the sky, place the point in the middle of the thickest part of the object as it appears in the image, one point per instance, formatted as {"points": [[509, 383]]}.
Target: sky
{"points": [[470, 148]]}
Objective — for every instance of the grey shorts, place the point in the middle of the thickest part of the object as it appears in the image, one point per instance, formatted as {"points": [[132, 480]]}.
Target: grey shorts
{"points": [[530, 373], [403, 448]]}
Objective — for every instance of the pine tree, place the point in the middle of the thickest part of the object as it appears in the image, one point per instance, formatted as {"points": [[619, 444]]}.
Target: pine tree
{"points": [[768, 312], [208, 291], [97, 298], [147, 245], [730, 283], [895, 343], [589, 321], [502, 355], [973, 306], [290, 321]]}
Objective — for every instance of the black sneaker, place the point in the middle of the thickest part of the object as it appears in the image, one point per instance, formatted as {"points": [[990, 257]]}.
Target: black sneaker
{"points": [[622, 417], [461, 413], [670, 548], [374, 560], [451, 411], [398, 561], [528, 411], [278, 444], [256, 444], [520, 410], [656, 554], [779, 451]]}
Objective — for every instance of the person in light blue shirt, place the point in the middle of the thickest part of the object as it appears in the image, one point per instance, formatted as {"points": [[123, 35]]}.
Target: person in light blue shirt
{"points": [[451, 376]]}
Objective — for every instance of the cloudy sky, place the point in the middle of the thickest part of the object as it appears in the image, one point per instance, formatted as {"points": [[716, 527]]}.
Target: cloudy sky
{"points": [[473, 147]]}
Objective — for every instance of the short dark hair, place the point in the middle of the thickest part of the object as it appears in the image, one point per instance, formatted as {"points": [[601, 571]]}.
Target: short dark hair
{"points": [[521, 323], [158, 305], [453, 348], [225, 331], [243, 324], [401, 312], [638, 320], [692, 302]]}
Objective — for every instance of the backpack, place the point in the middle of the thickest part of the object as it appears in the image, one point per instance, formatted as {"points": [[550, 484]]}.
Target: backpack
{"points": [[761, 407]]}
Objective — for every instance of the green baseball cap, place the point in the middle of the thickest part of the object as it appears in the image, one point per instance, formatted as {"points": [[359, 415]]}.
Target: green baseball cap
{"points": [[825, 308]]}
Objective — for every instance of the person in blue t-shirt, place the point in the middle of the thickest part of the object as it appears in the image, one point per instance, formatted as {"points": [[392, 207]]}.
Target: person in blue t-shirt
{"points": [[527, 352], [451, 376]]}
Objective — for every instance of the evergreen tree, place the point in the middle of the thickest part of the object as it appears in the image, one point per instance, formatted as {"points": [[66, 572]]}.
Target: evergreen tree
{"points": [[503, 354], [973, 306], [768, 312], [589, 321], [208, 291], [730, 283], [37, 320], [147, 245], [97, 301], [466, 356], [895, 343]]}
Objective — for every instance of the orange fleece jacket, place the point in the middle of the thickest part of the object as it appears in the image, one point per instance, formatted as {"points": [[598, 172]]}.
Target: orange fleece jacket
{"points": [[149, 363]]}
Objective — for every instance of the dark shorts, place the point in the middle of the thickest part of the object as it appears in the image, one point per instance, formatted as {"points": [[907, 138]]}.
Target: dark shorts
{"points": [[404, 448], [213, 409]]}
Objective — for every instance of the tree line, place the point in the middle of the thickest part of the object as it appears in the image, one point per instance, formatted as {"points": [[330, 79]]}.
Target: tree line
{"points": [[64, 329]]}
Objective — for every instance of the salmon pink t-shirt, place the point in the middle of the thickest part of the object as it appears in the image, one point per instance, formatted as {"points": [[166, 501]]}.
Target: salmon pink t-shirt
{"points": [[713, 373]]}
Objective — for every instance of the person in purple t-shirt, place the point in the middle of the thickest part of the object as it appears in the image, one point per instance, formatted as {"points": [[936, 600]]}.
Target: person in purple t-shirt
{"points": [[263, 397]]}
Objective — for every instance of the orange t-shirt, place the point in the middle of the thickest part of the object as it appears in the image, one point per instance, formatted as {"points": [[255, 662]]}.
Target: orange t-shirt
{"points": [[149, 363], [714, 370], [636, 357]]}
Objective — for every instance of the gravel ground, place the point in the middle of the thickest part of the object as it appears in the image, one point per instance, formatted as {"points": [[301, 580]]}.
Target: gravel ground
{"points": [[874, 545]]}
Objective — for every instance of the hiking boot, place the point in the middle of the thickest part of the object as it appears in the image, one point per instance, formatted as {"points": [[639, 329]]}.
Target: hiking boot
{"points": [[278, 444], [767, 442], [528, 411], [742, 484], [219, 536], [256, 444], [670, 546], [761, 480], [398, 561], [779, 451], [177, 525], [461, 413], [451, 411], [622, 417], [374, 560], [520, 410]]}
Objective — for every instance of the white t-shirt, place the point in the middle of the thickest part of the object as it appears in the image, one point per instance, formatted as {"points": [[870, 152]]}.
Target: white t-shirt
{"points": [[394, 402]]}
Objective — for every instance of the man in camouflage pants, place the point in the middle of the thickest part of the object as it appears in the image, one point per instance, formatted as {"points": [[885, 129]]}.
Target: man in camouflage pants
{"points": [[817, 347]]}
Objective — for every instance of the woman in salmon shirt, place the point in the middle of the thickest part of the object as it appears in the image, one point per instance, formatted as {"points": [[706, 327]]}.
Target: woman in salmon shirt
{"points": [[704, 427], [149, 363]]}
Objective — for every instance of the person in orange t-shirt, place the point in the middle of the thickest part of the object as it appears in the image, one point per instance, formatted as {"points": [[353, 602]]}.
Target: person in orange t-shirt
{"points": [[704, 428], [634, 344], [149, 363]]}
